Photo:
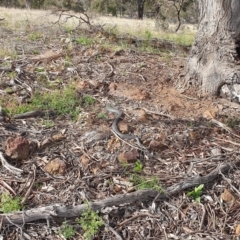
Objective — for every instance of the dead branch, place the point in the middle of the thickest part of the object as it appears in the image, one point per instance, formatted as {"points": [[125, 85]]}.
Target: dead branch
{"points": [[82, 18], [9, 167], [60, 210]]}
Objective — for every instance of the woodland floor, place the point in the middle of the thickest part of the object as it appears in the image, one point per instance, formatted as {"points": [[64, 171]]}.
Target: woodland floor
{"points": [[181, 139]]}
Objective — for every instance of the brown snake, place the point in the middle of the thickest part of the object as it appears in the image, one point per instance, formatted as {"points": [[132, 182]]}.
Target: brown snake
{"points": [[116, 130]]}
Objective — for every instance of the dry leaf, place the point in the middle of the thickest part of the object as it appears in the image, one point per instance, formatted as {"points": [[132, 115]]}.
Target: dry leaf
{"points": [[227, 196], [84, 160], [128, 157], [208, 115], [238, 229]]}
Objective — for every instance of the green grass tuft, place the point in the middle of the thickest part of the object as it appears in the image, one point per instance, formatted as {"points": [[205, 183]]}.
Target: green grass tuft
{"points": [[10, 204]]}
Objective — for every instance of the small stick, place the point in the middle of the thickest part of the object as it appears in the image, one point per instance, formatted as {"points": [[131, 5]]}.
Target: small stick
{"points": [[160, 114], [30, 187]]}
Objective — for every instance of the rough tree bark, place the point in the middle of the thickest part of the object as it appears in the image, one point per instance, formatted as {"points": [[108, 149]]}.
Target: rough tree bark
{"points": [[214, 58]]}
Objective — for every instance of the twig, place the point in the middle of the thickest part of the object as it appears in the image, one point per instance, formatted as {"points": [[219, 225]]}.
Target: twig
{"points": [[160, 114], [30, 114], [191, 98], [9, 167], [137, 216], [235, 189], [131, 145], [228, 141], [199, 160], [224, 126], [112, 71], [4, 184], [85, 153], [113, 231], [203, 217], [30, 187], [137, 74]]}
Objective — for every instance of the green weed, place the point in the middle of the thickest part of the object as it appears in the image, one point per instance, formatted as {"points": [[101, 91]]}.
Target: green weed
{"points": [[34, 36], [10, 204], [67, 230], [90, 223], [232, 122], [84, 41], [196, 193], [67, 61], [35, 51], [39, 69], [69, 29], [48, 123], [63, 102], [88, 100], [38, 184], [143, 183], [138, 166], [102, 115]]}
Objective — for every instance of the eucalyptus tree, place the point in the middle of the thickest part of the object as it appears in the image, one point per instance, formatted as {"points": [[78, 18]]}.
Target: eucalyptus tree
{"points": [[214, 60]]}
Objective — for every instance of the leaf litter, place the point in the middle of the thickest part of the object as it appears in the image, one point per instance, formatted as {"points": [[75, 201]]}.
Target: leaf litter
{"points": [[182, 134]]}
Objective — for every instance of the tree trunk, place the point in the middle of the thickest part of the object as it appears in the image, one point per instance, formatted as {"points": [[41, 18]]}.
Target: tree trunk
{"points": [[28, 4], [215, 54], [140, 8]]}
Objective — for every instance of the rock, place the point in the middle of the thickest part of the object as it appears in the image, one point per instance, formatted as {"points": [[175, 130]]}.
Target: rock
{"points": [[231, 92], [56, 166], [17, 148], [128, 157]]}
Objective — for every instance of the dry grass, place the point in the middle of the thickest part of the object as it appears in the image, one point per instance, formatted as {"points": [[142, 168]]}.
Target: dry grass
{"points": [[146, 28], [22, 18], [18, 19]]}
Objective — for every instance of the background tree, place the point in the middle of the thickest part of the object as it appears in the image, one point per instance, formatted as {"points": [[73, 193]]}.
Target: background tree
{"points": [[214, 58], [140, 8]]}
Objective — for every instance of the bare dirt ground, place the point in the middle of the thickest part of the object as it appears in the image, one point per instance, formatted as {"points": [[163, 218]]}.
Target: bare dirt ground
{"points": [[185, 139]]}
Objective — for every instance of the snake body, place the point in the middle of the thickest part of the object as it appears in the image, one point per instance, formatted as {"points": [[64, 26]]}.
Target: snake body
{"points": [[115, 127]]}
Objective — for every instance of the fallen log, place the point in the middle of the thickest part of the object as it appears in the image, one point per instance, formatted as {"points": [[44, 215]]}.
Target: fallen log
{"points": [[60, 210]]}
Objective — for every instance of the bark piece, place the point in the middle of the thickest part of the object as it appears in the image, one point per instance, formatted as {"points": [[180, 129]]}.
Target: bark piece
{"points": [[17, 148], [226, 196], [47, 56], [238, 230], [141, 116], [124, 127], [128, 157], [157, 146], [56, 166]]}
